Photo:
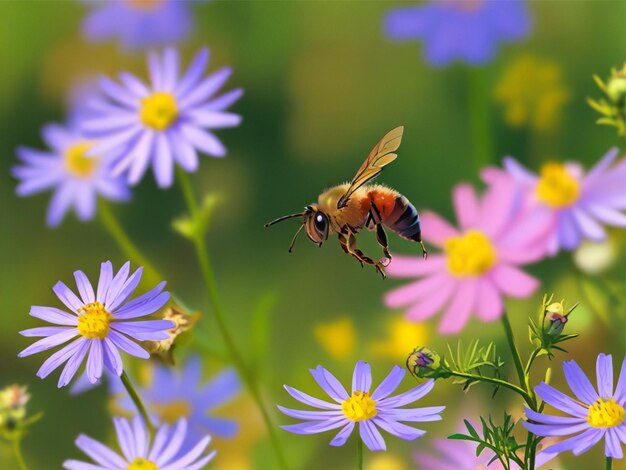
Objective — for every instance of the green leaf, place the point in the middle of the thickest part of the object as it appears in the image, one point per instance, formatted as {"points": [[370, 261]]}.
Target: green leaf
{"points": [[196, 225]]}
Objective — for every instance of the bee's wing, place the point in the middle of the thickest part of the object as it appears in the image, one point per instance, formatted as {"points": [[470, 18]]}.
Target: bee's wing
{"points": [[380, 156]]}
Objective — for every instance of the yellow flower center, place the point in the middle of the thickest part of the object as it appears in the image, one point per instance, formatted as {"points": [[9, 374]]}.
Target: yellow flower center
{"points": [[93, 321], [470, 254], [359, 406], [159, 110], [172, 411], [605, 413], [77, 162], [556, 186], [145, 4], [142, 464]]}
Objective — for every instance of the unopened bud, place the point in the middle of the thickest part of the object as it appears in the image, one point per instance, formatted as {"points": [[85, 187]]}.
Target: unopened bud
{"points": [[163, 349], [13, 400], [422, 362]]}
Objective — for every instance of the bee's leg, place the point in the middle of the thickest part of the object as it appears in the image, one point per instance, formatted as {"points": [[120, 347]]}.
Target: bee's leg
{"points": [[352, 248], [381, 236], [343, 241]]}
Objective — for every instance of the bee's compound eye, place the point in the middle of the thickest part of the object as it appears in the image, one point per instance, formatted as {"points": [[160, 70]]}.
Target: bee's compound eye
{"points": [[320, 222]]}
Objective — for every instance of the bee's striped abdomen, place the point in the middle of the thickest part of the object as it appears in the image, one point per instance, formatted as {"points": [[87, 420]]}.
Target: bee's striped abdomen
{"points": [[404, 220]]}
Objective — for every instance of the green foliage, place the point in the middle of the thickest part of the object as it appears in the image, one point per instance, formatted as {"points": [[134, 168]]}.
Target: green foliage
{"points": [[477, 360], [197, 225], [499, 439]]}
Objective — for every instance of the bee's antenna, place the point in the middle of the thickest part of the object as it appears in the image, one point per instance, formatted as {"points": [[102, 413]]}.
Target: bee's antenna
{"points": [[285, 217], [293, 240]]}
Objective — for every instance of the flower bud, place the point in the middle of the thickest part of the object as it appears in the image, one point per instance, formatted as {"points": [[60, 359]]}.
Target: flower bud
{"points": [[163, 349], [13, 400], [423, 362]]}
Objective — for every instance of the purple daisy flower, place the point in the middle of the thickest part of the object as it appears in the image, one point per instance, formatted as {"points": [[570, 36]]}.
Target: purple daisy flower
{"points": [[138, 23], [75, 177], [164, 122], [139, 453], [594, 414], [98, 324], [467, 30], [370, 411], [175, 394], [579, 203]]}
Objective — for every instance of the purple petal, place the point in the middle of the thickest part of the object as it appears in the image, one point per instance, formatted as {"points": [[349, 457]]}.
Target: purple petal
{"points": [[59, 357], [118, 93], [127, 289], [371, 436], [214, 119], [60, 204], [314, 427], [44, 331], [134, 85], [84, 287], [342, 436], [389, 384], [221, 389], [309, 400], [142, 308], [95, 361], [408, 397], [549, 419], [362, 377], [204, 141], [163, 162], [127, 345], [604, 372], [141, 436], [193, 73], [310, 415], [206, 89], [112, 358], [398, 429], [555, 429], [329, 384], [620, 389], [145, 330], [117, 283], [413, 415], [224, 101], [612, 447], [53, 315], [106, 275], [560, 401], [99, 452], [187, 459], [579, 383], [173, 446], [170, 69], [68, 297], [74, 363], [125, 438], [184, 152], [49, 342], [603, 165]]}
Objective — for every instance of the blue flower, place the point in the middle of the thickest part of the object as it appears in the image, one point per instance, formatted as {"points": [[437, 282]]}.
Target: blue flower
{"points": [[75, 177], [165, 122], [99, 324], [465, 30], [175, 394], [138, 23]]}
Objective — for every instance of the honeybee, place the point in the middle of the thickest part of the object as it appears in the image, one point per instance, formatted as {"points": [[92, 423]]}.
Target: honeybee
{"points": [[350, 207]]}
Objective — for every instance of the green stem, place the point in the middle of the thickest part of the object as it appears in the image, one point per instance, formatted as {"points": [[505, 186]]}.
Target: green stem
{"points": [[209, 279], [479, 120], [525, 384], [529, 364], [609, 463], [17, 450], [493, 380], [134, 396], [359, 453]]}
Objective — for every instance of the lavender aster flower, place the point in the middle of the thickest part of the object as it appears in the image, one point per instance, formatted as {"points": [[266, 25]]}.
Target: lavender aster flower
{"points": [[175, 394], [98, 325], [579, 203], [164, 122], [138, 453], [594, 414], [370, 411], [138, 23], [76, 178], [467, 30]]}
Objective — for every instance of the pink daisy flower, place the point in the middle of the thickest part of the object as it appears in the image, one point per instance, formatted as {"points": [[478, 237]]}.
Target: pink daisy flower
{"points": [[479, 261]]}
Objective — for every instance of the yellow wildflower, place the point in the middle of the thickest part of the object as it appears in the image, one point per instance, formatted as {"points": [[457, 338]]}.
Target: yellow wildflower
{"points": [[336, 337], [401, 339], [532, 93]]}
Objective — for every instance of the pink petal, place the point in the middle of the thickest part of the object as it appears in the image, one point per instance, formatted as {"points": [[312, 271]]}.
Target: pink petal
{"points": [[412, 292], [435, 229], [432, 303], [513, 281], [465, 205], [413, 266], [497, 206], [489, 303], [459, 309]]}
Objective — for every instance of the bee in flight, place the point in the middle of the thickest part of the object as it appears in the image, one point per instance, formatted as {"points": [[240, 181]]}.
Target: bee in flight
{"points": [[349, 207]]}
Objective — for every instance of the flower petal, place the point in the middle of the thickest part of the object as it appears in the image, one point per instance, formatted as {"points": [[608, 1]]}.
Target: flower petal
{"points": [[435, 229], [460, 307], [398, 429], [329, 384], [466, 205], [560, 401], [371, 436], [74, 363], [99, 452], [579, 383], [84, 287], [342, 436], [309, 400], [106, 275], [49, 342], [53, 315], [389, 384], [310, 415], [127, 345], [513, 281], [362, 377], [314, 427], [407, 397], [68, 297], [59, 357]]}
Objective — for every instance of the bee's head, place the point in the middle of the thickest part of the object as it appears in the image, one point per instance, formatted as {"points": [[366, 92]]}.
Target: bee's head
{"points": [[316, 224]]}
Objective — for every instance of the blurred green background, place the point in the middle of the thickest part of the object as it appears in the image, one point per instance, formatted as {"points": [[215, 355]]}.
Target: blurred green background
{"points": [[322, 85]]}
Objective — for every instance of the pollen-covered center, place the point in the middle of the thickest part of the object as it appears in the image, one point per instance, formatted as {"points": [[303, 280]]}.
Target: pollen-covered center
{"points": [[172, 411], [94, 321], [159, 110], [556, 186], [359, 406], [605, 413], [142, 464], [76, 160], [470, 254]]}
